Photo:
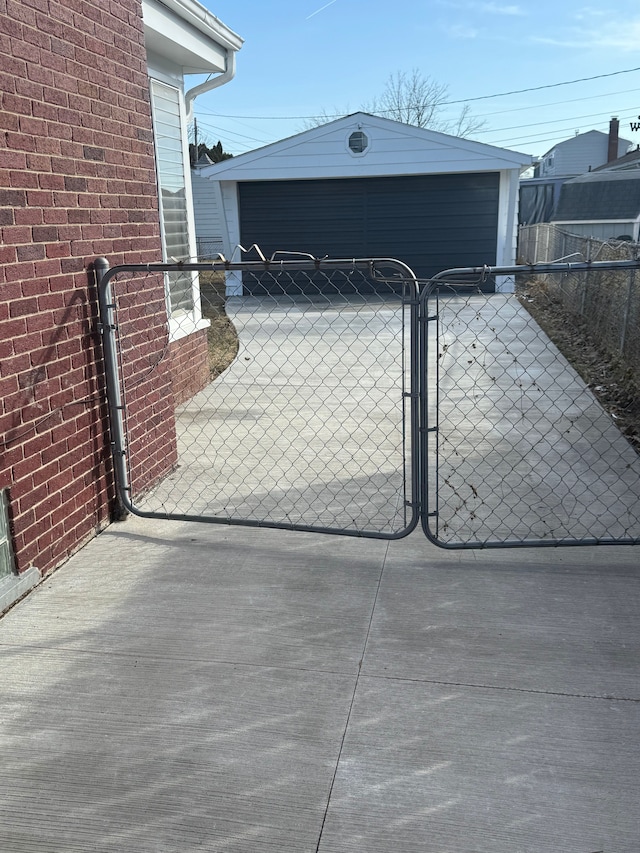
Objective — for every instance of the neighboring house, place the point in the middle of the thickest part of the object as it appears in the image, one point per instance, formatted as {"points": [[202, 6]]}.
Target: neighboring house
{"points": [[582, 153], [86, 92], [365, 186], [604, 204]]}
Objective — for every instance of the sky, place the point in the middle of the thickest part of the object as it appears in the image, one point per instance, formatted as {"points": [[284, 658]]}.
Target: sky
{"points": [[304, 58]]}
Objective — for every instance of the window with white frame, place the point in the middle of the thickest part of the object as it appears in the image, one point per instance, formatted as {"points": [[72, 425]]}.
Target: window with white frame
{"points": [[358, 142], [171, 166]]}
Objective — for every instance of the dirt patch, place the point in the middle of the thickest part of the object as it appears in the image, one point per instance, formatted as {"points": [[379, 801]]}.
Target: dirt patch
{"points": [[221, 334], [616, 386]]}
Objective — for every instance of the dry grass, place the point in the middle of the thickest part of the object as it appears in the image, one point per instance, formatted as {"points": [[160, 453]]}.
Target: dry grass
{"points": [[222, 335]]}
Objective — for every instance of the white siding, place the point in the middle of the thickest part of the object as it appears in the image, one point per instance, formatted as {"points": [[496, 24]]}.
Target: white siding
{"points": [[209, 219], [394, 149], [229, 196], [578, 155], [507, 219]]}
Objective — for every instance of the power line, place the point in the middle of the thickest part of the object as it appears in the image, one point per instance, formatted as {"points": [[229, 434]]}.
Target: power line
{"points": [[557, 103], [442, 103], [569, 119], [547, 86], [532, 139], [218, 130]]}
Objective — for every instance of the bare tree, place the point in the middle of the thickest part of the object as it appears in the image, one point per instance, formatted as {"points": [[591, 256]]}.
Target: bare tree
{"points": [[414, 99], [410, 98], [465, 125]]}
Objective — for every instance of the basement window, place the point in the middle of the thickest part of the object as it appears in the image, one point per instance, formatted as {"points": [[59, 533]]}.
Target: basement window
{"points": [[6, 551], [358, 142]]}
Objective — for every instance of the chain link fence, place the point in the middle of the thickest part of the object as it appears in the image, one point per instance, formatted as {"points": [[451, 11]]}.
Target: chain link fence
{"points": [[209, 248], [606, 303], [306, 421], [517, 448], [345, 397]]}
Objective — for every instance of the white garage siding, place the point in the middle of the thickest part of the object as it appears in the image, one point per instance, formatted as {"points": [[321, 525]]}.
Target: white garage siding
{"points": [[210, 222]]}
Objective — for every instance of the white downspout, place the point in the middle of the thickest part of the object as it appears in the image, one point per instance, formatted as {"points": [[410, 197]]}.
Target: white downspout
{"points": [[227, 75]]}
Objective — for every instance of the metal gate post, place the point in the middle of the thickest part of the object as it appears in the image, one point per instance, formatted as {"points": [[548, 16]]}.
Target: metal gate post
{"points": [[108, 329], [426, 428]]}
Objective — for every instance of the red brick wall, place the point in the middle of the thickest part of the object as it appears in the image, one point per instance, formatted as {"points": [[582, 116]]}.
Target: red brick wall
{"points": [[145, 362], [189, 366], [77, 180]]}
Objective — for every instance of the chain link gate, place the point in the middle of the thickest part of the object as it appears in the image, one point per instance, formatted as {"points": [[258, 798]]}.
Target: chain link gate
{"points": [[516, 449], [355, 406], [311, 424]]}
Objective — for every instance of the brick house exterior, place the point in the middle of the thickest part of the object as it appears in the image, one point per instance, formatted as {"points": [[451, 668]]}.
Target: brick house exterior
{"points": [[77, 181]]}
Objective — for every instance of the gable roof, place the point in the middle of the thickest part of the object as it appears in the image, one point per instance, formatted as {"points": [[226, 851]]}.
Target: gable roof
{"points": [[579, 138], [630, 160], [394, 148]]}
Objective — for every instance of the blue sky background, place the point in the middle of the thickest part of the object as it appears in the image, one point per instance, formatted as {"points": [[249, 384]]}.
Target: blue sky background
{"points": [[303, 57]]}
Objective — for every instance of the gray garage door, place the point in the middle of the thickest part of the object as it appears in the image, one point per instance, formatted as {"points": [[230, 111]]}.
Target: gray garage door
{"points": [[431, 222]]}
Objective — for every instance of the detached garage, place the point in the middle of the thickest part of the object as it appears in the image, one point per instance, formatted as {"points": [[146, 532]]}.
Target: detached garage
{"points": [[364, 186]]}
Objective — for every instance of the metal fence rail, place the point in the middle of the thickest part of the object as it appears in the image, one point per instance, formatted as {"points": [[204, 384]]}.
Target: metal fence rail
{"points": [[310, 424], [517, 449]]}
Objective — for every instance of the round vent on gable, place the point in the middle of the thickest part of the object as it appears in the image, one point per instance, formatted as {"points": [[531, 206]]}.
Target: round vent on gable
{"points": [[358, 142]]}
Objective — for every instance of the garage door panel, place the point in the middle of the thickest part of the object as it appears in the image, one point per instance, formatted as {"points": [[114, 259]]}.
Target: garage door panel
{"points": [[430, 222]]}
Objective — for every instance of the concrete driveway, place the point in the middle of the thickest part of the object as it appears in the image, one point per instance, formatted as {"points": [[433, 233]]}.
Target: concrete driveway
{"points": [[179, 687]]}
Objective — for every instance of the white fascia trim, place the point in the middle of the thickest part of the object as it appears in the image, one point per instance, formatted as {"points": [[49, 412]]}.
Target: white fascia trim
{"points": [[201, 19], [177, 42]]}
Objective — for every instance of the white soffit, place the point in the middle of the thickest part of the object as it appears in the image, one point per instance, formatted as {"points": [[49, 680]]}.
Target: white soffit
{"points": [[185, 33]]}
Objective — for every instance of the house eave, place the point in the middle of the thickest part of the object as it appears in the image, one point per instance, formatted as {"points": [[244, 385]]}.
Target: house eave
{"points": [[188, 35]]}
